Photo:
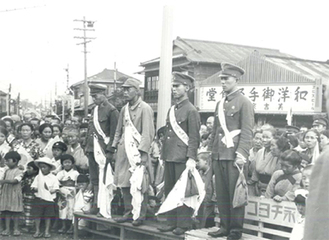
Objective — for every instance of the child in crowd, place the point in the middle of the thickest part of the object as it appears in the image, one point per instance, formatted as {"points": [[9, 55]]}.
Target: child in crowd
{"points": [[4, 147], [157, 162], [300, 201], [81, 160], [11, 200], [83, 198], [206, 212], [28, 194], [204, 142], [284, 182], [67, 178], [46, 186], [58, 149], [306, 174]]}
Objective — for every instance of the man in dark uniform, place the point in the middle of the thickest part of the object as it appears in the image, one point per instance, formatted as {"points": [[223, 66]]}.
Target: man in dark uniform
{"points": [[320, 124], [107, 121], [178, 153], [230, 143]]}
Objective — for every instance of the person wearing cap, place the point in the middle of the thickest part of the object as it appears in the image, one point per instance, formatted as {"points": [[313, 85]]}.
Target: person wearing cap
{"points": [[58, 149], [102, 125], [180, 147], [291, 130], [320, 124], [45, 185], [231, 141], [133, 138], [300, 201]]}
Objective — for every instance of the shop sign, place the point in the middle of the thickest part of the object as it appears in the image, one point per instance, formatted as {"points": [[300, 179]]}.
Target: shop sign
{"points": [[272, 99]]}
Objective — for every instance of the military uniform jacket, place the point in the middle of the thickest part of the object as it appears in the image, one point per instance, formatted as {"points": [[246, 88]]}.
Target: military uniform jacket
{"points": [[141, 115], [173, 148], [239, 114], [108, 118]]}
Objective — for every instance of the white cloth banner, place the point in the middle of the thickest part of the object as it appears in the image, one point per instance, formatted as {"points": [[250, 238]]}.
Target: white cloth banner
{"points": [[136, 181], [105, 191], [176, 197], [98, 127], [132, 140]]}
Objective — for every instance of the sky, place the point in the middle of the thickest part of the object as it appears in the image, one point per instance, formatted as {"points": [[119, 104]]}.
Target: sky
{"points": [[37, 43]]}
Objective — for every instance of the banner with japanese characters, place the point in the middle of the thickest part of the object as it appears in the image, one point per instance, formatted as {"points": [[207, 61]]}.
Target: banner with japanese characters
{"points": [[265, 98], [267, 210]]}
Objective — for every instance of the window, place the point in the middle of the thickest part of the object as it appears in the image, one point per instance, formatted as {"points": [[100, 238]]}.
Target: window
{"points": [[152, 83]]}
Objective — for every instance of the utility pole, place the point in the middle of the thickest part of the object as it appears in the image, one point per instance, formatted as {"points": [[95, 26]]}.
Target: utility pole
{"points": [[18, 103], [115, 76], [90, 25], [8, 100]]}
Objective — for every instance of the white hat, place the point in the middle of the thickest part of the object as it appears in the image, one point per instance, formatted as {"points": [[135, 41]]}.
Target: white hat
{"points": [[47, 161]]}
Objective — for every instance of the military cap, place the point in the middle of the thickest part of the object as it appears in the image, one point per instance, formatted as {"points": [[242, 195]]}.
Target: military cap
{"points": [[230, 70], [60, 145], [66, 157], [131, 82], [323, 121], [292, 129], [181, 78], [97, 88], [13, 155]]}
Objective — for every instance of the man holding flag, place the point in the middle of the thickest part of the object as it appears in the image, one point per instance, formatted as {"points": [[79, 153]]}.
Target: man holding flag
{"points": [[133, 138], [102, 128], [231, 140], [180, 148]]}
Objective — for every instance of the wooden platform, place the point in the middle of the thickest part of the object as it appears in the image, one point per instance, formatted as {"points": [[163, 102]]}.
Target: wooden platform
{"points": [[202, 234], [148, 229]]}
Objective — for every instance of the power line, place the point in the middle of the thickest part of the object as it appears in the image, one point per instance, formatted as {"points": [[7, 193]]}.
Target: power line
{"points": [[89, 27], [24, 8]]}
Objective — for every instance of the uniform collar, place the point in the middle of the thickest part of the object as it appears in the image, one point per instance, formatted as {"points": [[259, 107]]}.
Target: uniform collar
{"points": [[182, 102], [133, 107], [232, 95], [105, 103]]}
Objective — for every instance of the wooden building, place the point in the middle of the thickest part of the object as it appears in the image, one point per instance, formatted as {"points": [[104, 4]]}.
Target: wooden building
{"points": [[198, 58], [275, 85]]}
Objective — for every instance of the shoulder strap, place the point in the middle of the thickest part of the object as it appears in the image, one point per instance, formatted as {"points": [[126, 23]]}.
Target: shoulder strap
{"points": [[98, 127], [181, 134]]}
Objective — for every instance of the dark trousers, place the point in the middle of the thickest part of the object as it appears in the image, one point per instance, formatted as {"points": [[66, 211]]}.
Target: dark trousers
{"points": [[181, 216], [93, 169], [127, 198], [226, 176]]}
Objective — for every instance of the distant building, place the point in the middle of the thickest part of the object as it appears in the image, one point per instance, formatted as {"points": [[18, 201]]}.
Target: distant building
{"points": [[105, 78], [197, 58], [274, 81], [3, 103]]}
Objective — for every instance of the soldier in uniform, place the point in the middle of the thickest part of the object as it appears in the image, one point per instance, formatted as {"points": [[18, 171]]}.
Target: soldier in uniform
{"points": [[177, 153], [135, 131], [230, 143], [107, 118]]}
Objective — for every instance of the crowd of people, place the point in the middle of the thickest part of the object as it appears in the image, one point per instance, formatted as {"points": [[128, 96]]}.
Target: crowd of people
{"points": [[49, 169]]}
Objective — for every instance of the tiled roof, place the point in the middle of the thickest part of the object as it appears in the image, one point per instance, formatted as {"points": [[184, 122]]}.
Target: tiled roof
{"points": [[106, 76], [275, 69], [214, 52]]}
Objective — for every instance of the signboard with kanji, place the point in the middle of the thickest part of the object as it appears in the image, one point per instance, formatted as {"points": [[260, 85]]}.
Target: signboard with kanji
{"points": [[271, 99], [267, 210]]}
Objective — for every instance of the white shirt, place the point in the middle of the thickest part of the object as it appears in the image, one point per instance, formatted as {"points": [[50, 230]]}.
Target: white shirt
{"points": [[44, 184]]}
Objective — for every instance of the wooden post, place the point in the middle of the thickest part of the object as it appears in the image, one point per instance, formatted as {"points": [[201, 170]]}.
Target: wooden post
{"points": [[165, 71]]}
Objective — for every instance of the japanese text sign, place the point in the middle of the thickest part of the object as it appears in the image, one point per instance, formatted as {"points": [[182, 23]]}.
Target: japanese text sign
{"points": [[267, 210], [275, 98]]}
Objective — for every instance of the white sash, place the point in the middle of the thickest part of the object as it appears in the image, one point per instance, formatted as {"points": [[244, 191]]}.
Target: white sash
{"points": [[132, 140], [177, 129], [98, 127], [228, 138], [105, 191]]}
